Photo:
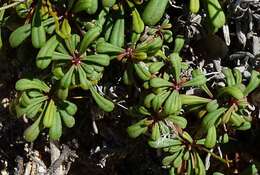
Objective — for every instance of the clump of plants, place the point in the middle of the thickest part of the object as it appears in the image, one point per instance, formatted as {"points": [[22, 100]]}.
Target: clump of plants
{"points": [[179, 111]]}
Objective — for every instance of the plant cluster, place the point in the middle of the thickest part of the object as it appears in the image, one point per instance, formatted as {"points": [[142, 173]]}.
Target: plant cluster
{"points": [[77, 40]]}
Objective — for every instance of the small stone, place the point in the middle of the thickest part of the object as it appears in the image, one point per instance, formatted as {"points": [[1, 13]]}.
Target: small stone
{"points": [[247, 74]]}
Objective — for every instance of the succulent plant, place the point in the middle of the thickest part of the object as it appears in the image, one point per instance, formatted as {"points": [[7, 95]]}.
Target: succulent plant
{"points": [[77, 41]]}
